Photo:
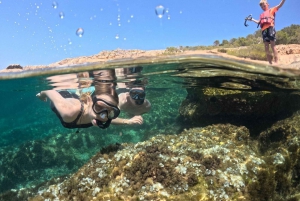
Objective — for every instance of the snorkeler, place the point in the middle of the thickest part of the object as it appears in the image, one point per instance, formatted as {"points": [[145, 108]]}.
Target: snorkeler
{"points": [[97, 109], [132, 96], [267, 24], [133, 103]]}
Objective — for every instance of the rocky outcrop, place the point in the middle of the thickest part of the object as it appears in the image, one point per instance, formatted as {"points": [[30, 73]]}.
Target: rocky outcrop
{"points": [[14, 66], [256, 110], [107, 55], [218, 162], [288, 49]]}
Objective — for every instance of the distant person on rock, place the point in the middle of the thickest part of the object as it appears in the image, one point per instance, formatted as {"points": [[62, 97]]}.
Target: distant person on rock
{"points": [[267, 24]]}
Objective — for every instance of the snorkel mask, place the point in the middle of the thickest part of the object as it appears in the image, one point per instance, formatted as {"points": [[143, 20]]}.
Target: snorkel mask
{"points": [[138, 95], [110, 112]]}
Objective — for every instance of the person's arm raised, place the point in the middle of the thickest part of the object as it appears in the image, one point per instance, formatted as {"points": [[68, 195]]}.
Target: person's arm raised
{"points": [[280, 4]]}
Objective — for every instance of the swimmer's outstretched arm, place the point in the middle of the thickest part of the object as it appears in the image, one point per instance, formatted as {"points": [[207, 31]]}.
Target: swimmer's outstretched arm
{"points": [[53, 95], [136, 120]]}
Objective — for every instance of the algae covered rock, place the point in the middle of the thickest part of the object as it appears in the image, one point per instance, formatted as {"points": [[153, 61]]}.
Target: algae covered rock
{"points": [[209, 102], [257, 110], [218, 162]]}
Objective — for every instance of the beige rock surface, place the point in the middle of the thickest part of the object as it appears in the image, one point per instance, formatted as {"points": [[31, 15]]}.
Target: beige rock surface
{"points": [[289, 57]]}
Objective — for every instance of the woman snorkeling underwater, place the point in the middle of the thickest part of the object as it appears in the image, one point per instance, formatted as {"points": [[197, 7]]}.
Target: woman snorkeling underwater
{"points": [[86, 110]]}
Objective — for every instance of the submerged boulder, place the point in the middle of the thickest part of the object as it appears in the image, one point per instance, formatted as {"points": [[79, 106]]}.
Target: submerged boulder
{"points": [[219, 162], [214, 101], [257, 110]]}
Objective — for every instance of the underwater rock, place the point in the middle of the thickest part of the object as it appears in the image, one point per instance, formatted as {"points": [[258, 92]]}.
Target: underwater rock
{"points": [[213, 101], [256, 110], [218, 162], [36, 161], [279, 133]]}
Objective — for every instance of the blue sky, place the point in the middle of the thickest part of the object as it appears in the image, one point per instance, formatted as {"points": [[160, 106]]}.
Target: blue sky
{"points": [[33, 33]]}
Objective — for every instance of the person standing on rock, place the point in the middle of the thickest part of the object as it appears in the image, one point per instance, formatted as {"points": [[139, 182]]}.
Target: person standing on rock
{"points": [[267, 24]]}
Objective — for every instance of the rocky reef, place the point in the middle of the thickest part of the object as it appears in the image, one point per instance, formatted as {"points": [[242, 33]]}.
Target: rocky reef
{"points": [[218, 162]]}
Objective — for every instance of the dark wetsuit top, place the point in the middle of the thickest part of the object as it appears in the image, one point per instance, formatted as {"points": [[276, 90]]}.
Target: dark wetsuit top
{"points": [[72, 124]]}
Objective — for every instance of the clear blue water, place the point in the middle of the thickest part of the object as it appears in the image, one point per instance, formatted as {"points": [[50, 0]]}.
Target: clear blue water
{"points": [[35, 147]]}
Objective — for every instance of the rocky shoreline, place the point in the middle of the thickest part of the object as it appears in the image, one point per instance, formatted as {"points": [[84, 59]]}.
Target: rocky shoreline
{"points": [[289, 57]]}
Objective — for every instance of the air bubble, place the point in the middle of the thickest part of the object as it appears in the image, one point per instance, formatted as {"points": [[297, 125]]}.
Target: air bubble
{"points": [[61, 15], [117, 36], [79, 32], [160, 11], [54, 4]]}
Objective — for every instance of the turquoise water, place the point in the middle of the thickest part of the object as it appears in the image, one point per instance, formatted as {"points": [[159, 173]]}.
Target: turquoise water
{"points": [[35, 147]]}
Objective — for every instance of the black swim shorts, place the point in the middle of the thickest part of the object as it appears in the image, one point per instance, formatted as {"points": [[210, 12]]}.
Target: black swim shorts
{"points": [[269, 34]]}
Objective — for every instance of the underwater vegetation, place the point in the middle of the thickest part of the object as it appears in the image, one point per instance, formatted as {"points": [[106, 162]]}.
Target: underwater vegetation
{"points": [[218, 162]]}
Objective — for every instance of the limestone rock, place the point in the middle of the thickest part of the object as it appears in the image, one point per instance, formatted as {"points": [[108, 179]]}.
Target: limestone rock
{"points": [[14, 66]]}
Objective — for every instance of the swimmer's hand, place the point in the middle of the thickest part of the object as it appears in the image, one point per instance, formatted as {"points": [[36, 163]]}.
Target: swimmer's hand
{"points": [[41, 96], [136, 120]]}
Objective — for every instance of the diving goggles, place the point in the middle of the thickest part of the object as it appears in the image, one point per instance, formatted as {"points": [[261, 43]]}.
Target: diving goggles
{"points": [[110, 112], [138, 95]]}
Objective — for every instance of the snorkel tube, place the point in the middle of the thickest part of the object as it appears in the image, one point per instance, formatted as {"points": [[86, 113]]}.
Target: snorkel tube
{"points": [[246, 19], [102, 125]]}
